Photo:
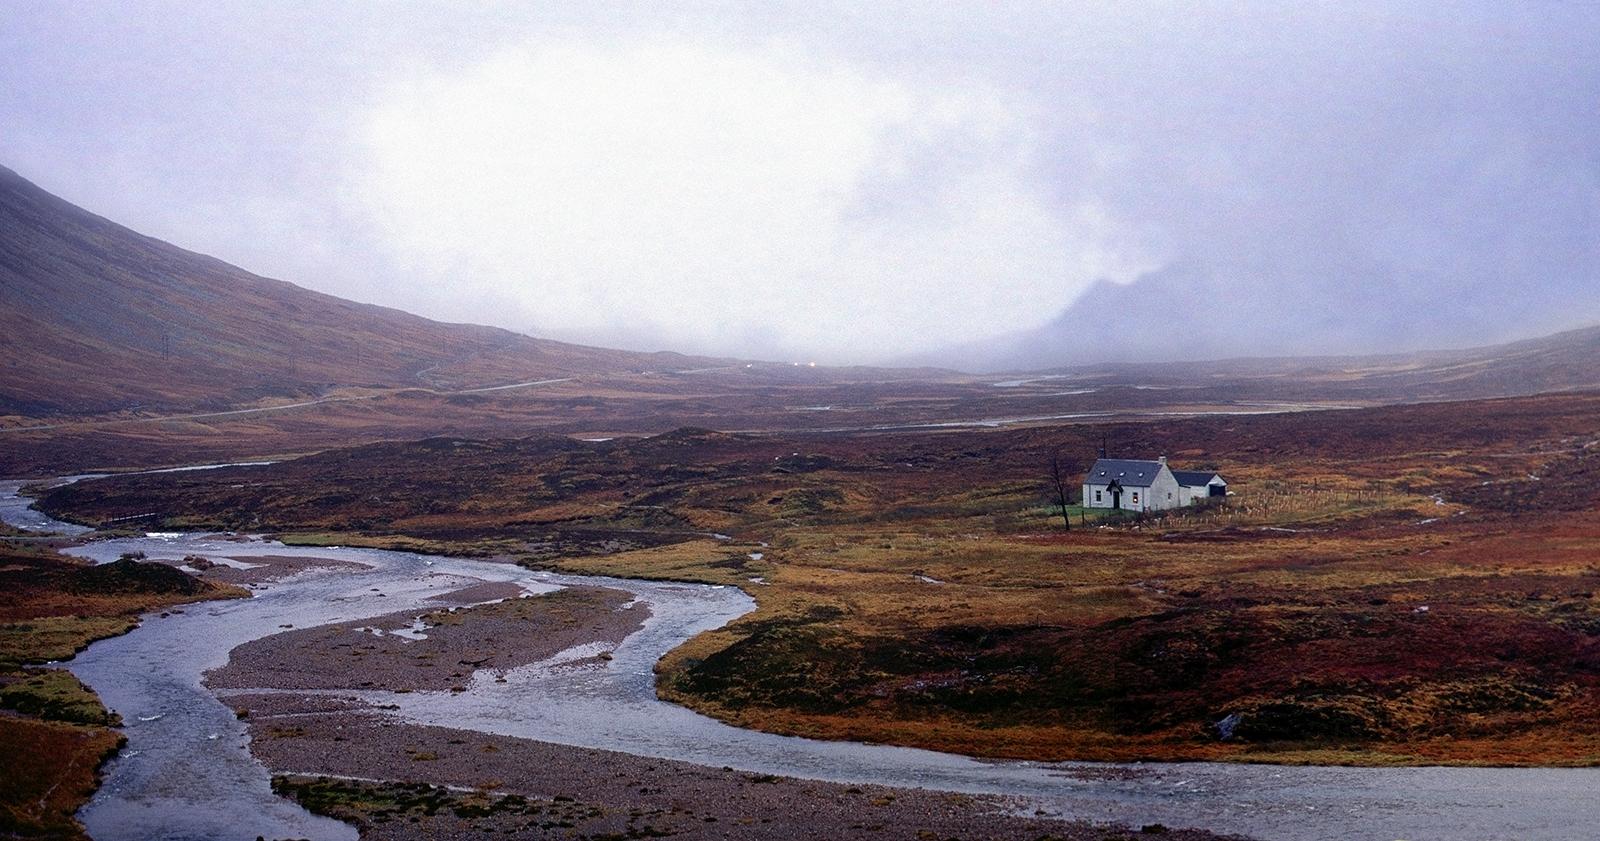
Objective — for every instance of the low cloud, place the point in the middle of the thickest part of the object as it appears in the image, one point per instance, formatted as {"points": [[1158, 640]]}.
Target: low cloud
{"points": [[755, 200], [854, 182]]}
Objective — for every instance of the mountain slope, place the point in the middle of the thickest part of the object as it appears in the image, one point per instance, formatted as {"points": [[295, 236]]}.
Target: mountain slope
{"points": [[95, 317], [1188, 312], [1186, 328]]}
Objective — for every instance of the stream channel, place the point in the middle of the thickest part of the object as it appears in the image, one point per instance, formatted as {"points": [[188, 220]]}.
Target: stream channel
{"points": [[187, 772]]}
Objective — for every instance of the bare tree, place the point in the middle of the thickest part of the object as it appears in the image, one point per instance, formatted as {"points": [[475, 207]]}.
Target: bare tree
{"points": [[1058, 481]]}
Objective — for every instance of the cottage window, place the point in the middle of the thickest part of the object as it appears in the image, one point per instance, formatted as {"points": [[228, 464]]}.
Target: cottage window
{"points": [[1135, 497], [1096, 496]]}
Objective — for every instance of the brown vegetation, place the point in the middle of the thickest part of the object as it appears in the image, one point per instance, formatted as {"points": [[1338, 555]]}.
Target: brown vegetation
{"points": [[49, 771], [1403, 584]]}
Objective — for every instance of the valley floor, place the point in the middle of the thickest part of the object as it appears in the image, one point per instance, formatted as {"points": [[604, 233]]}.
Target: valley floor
{"points": [[1407, 585]]}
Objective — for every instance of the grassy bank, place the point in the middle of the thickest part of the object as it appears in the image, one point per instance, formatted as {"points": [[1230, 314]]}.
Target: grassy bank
{"points": [[54, 732]]}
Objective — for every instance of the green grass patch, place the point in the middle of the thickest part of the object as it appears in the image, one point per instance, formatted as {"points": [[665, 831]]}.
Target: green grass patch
{"points": [[56, 637], [56, 695]]}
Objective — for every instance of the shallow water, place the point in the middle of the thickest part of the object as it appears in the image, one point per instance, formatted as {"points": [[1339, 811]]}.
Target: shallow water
{"points": [[187, 772], [15, 511]]}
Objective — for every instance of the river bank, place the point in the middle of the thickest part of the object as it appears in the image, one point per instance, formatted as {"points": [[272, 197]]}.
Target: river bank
{"points": [[54, 731], [175, 722], [177, 727], [319, 701], [610, 794]]}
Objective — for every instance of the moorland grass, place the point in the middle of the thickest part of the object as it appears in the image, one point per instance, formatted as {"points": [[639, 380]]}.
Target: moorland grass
{"points": [[1359, 595]]}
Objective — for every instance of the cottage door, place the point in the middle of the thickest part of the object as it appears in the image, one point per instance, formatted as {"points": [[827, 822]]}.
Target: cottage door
{"points": [[1116, 493]]}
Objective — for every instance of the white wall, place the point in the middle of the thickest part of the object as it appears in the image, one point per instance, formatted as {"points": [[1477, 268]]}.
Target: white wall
{"points": [[1105, 496], [1163, 493]]}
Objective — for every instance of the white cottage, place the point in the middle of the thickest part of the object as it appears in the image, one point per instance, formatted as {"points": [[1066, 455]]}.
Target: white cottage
{"points": [[1137, 485]]}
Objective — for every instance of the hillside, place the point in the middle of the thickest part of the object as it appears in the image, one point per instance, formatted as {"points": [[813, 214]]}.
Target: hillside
{"points": [[122, 351], [95, 317]]}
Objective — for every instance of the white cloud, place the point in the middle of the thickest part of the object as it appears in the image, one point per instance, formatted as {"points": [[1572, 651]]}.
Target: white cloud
{"points": [[712, 199]]}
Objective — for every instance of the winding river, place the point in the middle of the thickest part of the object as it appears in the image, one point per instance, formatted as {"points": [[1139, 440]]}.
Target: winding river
{"points": [[187, 771]]}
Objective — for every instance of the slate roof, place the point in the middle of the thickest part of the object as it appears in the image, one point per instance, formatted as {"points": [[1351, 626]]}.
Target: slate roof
{"points": [[1194, 478], [1130, 472]]}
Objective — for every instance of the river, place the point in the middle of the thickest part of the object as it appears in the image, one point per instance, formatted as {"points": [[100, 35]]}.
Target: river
{"points": [[187, 771]]}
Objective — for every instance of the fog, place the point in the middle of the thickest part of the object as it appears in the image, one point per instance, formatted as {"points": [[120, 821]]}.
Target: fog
{"points": [[824, 183]]}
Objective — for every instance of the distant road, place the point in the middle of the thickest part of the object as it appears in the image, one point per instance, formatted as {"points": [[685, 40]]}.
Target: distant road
{"points": [[283, 408], [513, 385], [1256, 408]]}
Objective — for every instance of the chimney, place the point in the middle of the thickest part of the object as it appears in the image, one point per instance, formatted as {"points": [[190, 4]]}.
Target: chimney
{"points": [[1162, 459]]}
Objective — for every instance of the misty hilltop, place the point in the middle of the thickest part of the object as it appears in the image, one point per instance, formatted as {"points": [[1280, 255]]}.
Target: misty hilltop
{"points": [[1190, 314]]}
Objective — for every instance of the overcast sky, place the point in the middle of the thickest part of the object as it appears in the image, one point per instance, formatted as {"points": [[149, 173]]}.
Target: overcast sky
{"points": [[845, 184]]}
